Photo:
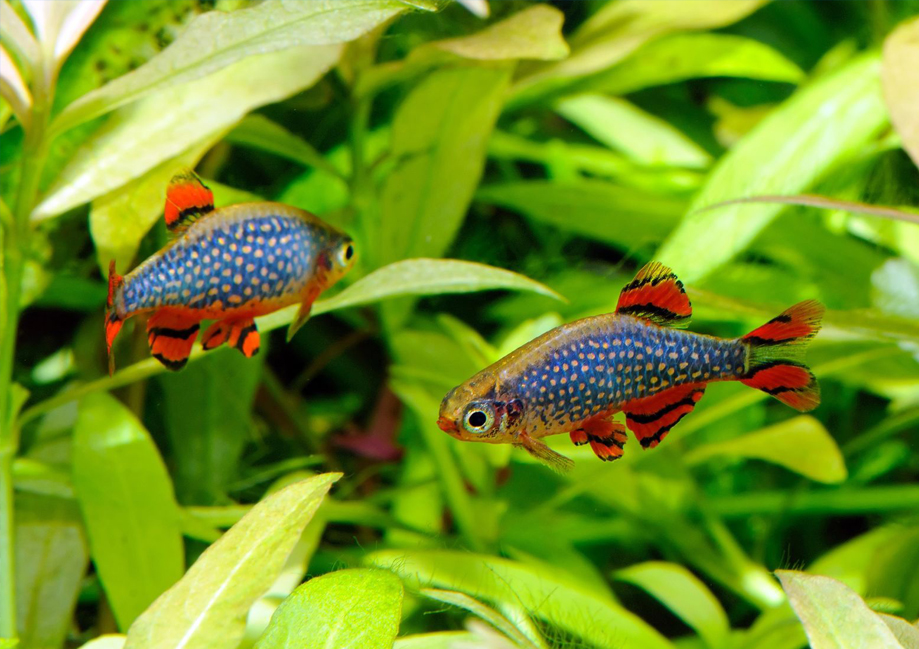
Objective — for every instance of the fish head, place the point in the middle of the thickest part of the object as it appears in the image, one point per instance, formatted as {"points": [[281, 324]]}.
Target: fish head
{"points": [[339, 257], [473, 412]]}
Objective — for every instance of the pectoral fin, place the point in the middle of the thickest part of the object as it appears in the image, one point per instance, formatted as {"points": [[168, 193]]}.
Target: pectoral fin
{"points": [[538, 449], [309, 296]]}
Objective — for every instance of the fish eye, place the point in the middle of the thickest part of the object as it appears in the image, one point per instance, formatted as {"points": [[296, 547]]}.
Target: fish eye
{"points": [[349, 251], [479, 418], [346, 254]]}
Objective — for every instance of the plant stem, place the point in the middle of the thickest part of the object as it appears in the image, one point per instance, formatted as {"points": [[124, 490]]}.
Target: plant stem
{"points": [[15, 242], [836, 502]]}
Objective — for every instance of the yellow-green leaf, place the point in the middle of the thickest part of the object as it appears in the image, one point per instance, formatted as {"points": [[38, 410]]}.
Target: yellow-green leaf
{"points": [[900, 76]]}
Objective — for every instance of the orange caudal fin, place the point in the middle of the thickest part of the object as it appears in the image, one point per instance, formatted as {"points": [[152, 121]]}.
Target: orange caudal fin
{"points": [[776, 351], [171, 335], [187, 199], [656, 295], [112, 321]]}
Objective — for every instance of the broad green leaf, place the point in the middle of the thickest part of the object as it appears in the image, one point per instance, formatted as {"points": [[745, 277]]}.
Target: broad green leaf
{"points": [[217, 39], [533, 33], [486, 613], [894, 568], [139, 137], [417, 277], [683, 593], [107, 641], [208, 605], [833, 616], [803, 140], [560, 602], [119, 219], [593, 208], [907, 215], [619, 28], [815, 456], [690, 56], [16, 35], [437, 640], [907, 634], [51, 558], [259, 132], [59, 25], [125, 493], [348, 609], [208, 411], [643, 137], [439, 136], [900, 77]]}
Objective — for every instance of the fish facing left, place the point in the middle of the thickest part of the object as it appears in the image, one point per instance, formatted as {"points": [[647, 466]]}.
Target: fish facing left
{"points": [[230, 265]]}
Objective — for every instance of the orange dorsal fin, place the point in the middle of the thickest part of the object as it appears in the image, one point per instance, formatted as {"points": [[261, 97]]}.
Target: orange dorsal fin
{"points": [[656, 295], [187, 199]]}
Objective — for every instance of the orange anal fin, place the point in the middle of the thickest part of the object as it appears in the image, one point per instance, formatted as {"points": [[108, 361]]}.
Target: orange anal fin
{"points": [[244, 336], [605, 436], [187, 198], [656, 295], [651, 418], [215, 335], [171, 335]]}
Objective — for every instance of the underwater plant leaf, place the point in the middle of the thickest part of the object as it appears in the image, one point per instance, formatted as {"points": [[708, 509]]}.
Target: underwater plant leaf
{"points": [[347, 609], [908, 215], [106, 641], [900, 78], [797, 144], [125, 494], [833, 616], [816, 454], [559, 601], [208, 606], [435, 640], [683, 593], [217, 39], [143, 135], [486, 613]]}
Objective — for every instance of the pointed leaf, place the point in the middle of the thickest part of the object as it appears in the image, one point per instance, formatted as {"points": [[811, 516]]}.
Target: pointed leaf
{"points": [[125, 493], [209, 604], [15, 34], [802, 141], [348, 609], [900, 76], [833, 616]]}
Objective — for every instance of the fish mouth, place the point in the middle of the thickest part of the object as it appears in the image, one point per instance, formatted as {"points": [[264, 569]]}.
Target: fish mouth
{"points": [[446, 424]]}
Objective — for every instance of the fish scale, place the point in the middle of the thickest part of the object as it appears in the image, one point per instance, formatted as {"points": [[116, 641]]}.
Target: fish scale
{"points": [[597, 364]]}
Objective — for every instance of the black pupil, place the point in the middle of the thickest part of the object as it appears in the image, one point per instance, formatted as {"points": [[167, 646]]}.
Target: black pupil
{"points": [[349, 252], [477, 419]]}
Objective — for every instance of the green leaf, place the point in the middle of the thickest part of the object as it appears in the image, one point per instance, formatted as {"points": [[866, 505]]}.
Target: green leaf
{"points": [[488, 614], [691, 56], [120, 219], [616, 30], [348, 609], [259, 132], [895, 288], [217, 39], [125, 493], [833, 616], [439, 136], [623, 126], [208, 606], [139, 137], [207, 411], [437, 640], [802, 141], [593, 208], [907, 634], [900, 77], [417, 277], [560, 602], [106, 641], [683, 593], [816, 455], [51, 559]]}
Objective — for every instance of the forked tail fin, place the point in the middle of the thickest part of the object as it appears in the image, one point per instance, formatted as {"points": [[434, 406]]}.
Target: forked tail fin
{"points": [[112, 321], [775, 362]]}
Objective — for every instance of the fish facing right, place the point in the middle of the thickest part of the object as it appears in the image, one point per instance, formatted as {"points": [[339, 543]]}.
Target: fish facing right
{"points": [[637, 361]]}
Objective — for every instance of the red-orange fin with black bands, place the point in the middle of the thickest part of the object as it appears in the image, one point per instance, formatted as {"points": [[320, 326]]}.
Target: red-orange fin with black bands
{"points": [[216, 335], [775, 358], [605, 436], [656, 295], [651, 418], [112, 321], [244, 336], [187, 199], [171, 335]]}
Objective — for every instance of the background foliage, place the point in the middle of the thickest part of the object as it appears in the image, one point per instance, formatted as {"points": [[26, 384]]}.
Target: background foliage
{"points": [[567, 143]]}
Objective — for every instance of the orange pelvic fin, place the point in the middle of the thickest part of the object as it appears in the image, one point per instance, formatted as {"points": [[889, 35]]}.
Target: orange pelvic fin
{"points": [[605, 436], [112, 321], [309, 296], [656, 295], [171, 335], [241, 334], [541, 451], [776, 350], [187, 199], [651, 418]]}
